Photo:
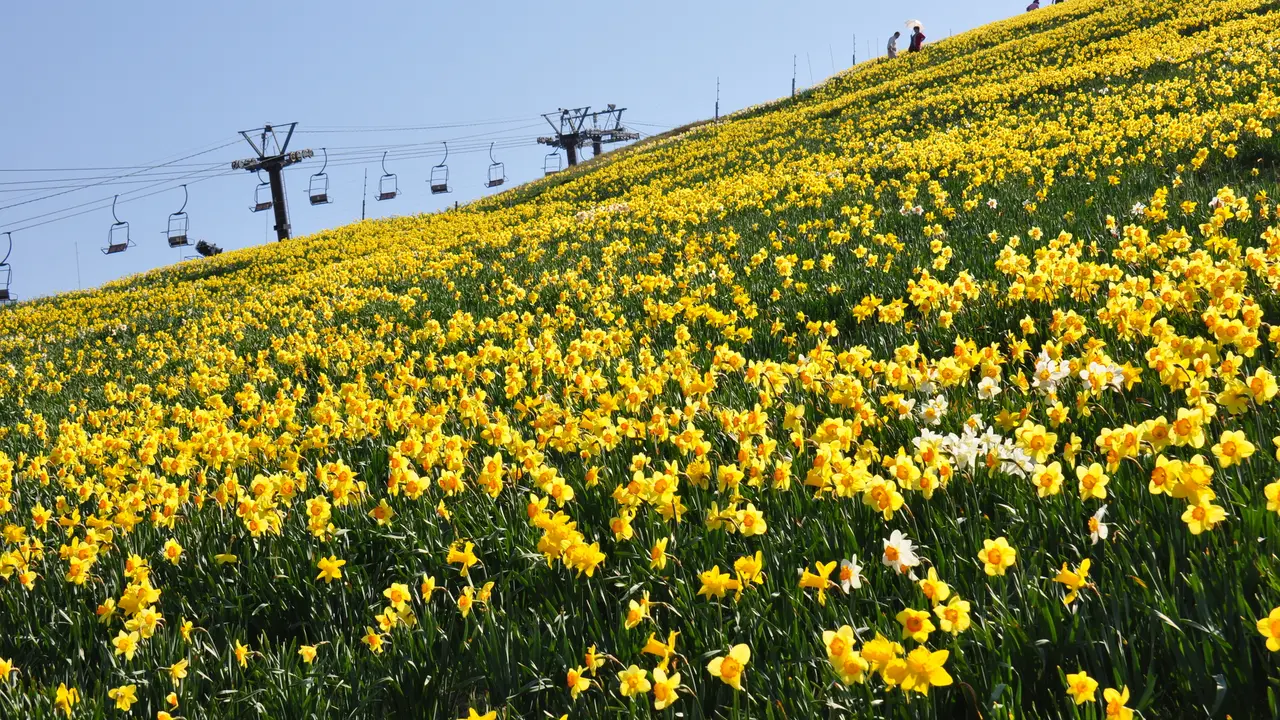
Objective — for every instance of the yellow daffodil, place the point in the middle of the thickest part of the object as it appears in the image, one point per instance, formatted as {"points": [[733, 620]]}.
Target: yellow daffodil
{"points": [[997, 556], [1082, 688], [730, 668]]}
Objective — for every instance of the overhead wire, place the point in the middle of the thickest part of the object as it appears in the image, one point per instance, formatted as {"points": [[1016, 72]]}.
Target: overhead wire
{"points": [[153, 176], [423, 149], [114, 196], [433, 142], [61, 182], [118, 177], [44, 184], [100, 205], [405, 128], [97, 169]]}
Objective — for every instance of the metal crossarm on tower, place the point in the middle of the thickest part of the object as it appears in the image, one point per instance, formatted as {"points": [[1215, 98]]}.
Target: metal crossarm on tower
{"points": [[579, 127], [273, 156]]}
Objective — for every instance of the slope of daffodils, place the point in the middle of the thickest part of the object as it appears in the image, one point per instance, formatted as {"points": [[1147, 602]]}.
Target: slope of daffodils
{"points": [[942, 389]]}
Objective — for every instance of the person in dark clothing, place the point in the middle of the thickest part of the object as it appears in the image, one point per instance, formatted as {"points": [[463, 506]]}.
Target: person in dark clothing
{"points": [[917, 40]]}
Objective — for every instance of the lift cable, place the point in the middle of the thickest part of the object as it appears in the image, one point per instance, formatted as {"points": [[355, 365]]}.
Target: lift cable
{"points": [[406, 128], [170, 184], [44, 184], [104, 182], [102, 203]]}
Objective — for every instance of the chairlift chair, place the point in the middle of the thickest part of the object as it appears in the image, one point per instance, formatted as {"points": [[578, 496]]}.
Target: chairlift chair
{"points": [[262, 196], [551, 164], [318, 189], [497, 171], [178, 223], [6, 272], [440, 175], [388, 184], [118, 234]]}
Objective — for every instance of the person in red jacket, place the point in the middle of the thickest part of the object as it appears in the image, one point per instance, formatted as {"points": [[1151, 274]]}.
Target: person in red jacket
{"points": [[917, 40]]}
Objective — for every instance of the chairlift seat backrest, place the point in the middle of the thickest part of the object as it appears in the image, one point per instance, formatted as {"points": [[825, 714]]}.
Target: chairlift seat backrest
{"points": [[440, 179], [388, 186], [551, 165], [318, 186], [497, 174], [177, 233], [6, 270], [318, 192], [440, 174], [318, 189], [262, 197], [118, 234], [117, 238]]}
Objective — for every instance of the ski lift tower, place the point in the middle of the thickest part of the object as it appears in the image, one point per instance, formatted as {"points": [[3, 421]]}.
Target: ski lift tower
{"points": [[578, 127], [273, 157]]}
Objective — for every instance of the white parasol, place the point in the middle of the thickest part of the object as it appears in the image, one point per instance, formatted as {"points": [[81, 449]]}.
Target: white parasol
{"points": [[913, 24]]}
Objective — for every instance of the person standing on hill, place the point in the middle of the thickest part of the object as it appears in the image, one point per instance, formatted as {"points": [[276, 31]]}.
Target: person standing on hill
{"points": [[893, 45], [917, 41], [1035, 5]]}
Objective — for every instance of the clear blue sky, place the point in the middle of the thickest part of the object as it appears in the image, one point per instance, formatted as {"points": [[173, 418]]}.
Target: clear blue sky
{"points": [[131, 84]]}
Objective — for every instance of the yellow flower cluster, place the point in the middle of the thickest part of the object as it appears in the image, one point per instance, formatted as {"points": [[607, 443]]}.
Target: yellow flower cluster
{"points": [[972, 296]]}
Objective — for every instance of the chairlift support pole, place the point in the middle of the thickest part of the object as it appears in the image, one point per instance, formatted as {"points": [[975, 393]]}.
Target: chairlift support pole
{"points": [[572, 131], [277, 199], [717, 99], [274, 164]]}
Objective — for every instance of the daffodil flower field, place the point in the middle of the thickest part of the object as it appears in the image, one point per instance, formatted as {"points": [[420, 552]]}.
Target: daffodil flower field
{"points": [[944, 389]]}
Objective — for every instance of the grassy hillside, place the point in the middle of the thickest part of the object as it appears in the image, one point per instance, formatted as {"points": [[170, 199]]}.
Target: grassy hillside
{"points": [[1011, 298]]}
